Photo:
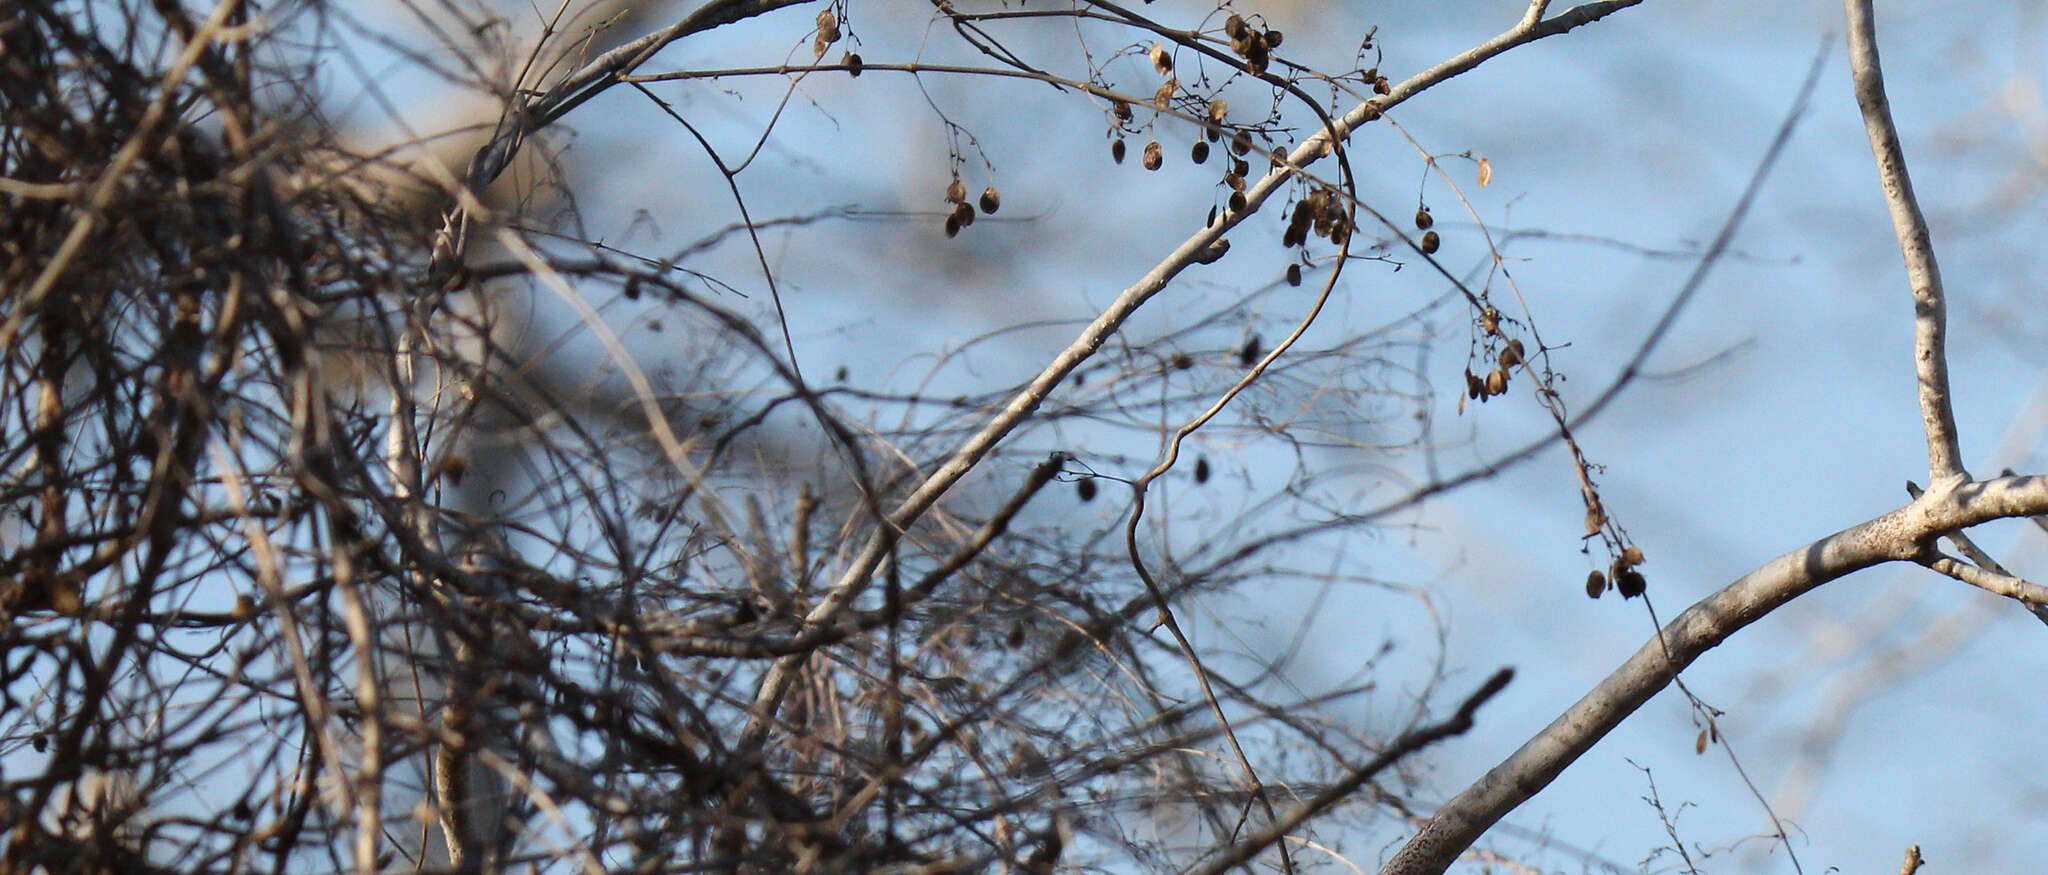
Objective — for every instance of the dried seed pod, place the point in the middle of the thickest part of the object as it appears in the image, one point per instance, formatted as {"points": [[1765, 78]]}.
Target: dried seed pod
{"points": [[1217, 109], [1154, 156], [1279, 157], [1085, 488], [1511, 355], [1423, 219], [1630, 583], [1249, 353], [1274, 38], [1596, 583], [991, 200], [1381, 86], [1116, 151], [1340, 231], [852, 63], [956, 192], [1596, 519], [1256, 57], [1202, 470], [1235, 181], [952, 227], [1497, 382], [1163, 98], [828, 26], [1182, 361], [1237, 202], [1162, 60], [1240, 167], [1295, 235], [1294, 274], [1200, 153], [1633, 555], [1474, 388], [964, 214], [1430, 241], [1241, 142], [1233, 26], [1121, 109], [1699, 746], [1489, 321]]}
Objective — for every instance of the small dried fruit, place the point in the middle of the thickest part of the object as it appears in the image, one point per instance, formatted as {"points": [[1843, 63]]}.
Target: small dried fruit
{"points": [[1116, 151], [1699, 746], [1633, 555], [1294, 274], [1200, 153], [952, 227], [1233, 26], [1430, 242], [1249, 353], [1381, 86], [956, 192], [1237, 201], [1154, 156], [1274, 38], [1497, 382], [1474, 387], [991, 200], [964, 214], [1596, 519], [1122, 110], [1596, 583], [1163, 98], [1423, 219], [1511, 355], [1182, 361], [1202, 470], [1085, 488], [1241, 142], [1162, 60], [852, 63], [1630, 583], [1217, 109], [1485, 173], [1489, 321]]}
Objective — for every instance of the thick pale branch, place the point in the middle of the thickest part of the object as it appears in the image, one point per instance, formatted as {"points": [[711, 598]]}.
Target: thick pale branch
{"points": [[1902, 534], [1930, 304]]}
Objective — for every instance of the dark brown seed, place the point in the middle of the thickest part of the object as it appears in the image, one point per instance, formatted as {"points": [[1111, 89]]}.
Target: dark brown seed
{"points": [[1249, 353], [1122, 109], [1240, 167], [1630, 583], [1381, 86], [1510, 356], [1233, 26], [1497, 382], [1182, 361], [852, 65], [1596, 583], [1295, 235], [1489, 321], [1085, 487], [1423, 219], [991, 200], [1473, 387], [1202, 470], [956, 192], [1294, 274], [952, 227], [1116, 151], [964, 214], [1237, 202], [1154, 156], [1241, 142], [1274, 38], [1430, 241], [1200, 152]]}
